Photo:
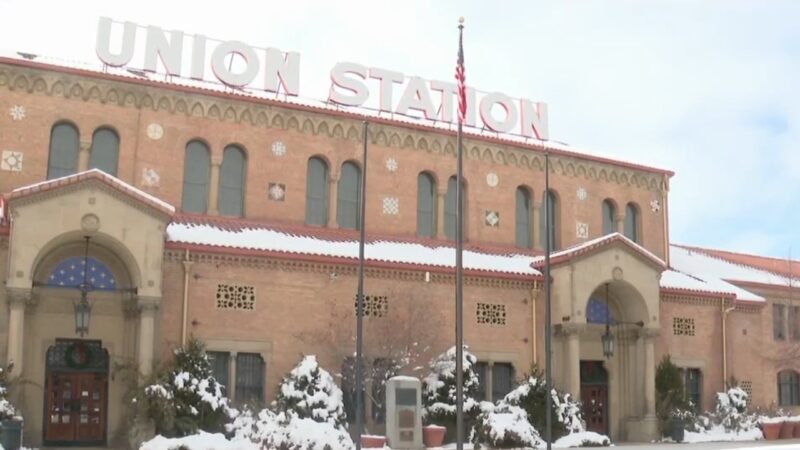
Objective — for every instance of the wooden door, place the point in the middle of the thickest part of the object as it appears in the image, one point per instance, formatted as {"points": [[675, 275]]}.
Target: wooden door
{"points": [[595, 407], [76, 407]]}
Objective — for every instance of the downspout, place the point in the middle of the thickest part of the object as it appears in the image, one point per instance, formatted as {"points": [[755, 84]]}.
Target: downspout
{"points": [[665, 216], [725, 312], [187, 267], [533, 296]]}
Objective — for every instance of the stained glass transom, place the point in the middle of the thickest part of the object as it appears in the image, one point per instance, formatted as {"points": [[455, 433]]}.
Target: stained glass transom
{"points": [[69, 273], [597, 311]]}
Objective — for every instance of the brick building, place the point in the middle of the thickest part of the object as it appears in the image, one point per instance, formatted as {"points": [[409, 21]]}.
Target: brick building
{"points": [[233, 217]]}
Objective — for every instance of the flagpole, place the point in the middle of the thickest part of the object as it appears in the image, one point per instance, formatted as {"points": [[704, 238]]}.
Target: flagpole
{"points": [[548, 322], [360, 297], [459, 252]]}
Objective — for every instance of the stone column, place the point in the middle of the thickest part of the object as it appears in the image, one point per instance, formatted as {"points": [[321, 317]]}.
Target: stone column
{"points": [[441, 194], [573, 360], [536, 213], [213, 186], [333, 196], [148, 306], [83, 155], [619, 219], [650, 372], [232, 376], [17, 299]]}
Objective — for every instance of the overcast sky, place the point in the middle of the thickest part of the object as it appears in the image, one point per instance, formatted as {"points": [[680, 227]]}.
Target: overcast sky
{"points": [[708, 89]]}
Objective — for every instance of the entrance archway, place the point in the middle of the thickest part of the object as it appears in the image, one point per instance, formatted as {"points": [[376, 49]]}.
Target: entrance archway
{"points": [[594, 396], [76, 393]]}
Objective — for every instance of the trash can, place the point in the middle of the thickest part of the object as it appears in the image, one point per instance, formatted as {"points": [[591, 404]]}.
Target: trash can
{"points": [[11, 434]]}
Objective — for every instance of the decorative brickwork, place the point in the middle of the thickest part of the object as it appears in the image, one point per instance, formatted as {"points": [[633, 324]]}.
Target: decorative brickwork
{"points": [[232, 296], [491, 313], [747, 386], [683, 326], [374, 305]]}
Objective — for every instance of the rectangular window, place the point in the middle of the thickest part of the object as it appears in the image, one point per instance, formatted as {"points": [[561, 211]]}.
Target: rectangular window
{"points": [[794, 322], [502, 380], [481, 370], [249, 378], [693, 383], [219, 367], [788, 388], [779, 322]]}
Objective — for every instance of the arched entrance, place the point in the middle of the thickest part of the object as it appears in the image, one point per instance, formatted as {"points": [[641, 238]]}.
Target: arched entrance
{"points": [[594, 396], [76, 393]]}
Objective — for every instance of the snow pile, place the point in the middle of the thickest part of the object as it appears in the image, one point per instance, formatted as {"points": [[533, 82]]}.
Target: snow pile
{"points": [[583, 439], [309, 392], [287, 431], [439, 388], [718, 433], [505, 427], [200, 441]]}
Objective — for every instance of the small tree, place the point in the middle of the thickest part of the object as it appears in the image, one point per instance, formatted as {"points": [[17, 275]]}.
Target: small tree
{"points": [[185, 397], [439, 391], [671, 397], [309, 392], [7, 410]]}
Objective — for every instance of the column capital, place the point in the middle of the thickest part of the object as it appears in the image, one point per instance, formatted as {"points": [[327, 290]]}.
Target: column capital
{"points": [[19, 297], [148, 303], [570, 329], [85, 145], [216, 160], [650, 333], [536, 205], [187, 265]]}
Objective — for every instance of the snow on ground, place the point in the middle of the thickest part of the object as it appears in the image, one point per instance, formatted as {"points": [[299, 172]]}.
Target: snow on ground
{"points": [[717, 433], [576, 439], [200, 441]]}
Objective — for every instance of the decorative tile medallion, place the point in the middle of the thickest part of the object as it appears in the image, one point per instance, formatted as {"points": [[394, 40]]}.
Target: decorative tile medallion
{"points": [[391, 205], [17, 112], [492, 179], [150, 177], [492, 218], [277, 192], [278, 148], [581, 194], [155, 131], [11, 161], [391, 164], [655, 205], [582, 230]]}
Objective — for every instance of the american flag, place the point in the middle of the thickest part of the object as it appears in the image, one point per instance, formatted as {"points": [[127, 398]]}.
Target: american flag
{"points": [[461, 78], [69, 273]]}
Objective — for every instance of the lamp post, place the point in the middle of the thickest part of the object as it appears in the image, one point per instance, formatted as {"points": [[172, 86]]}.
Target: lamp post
{"points": [[83, 309]]}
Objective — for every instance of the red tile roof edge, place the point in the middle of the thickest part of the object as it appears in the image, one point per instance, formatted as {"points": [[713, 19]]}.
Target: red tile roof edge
{"points": [[749, 260], [208, 92]]}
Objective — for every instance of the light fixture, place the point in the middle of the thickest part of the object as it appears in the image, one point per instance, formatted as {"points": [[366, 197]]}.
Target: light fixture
{"points": [[608, 339], [83, 309]]}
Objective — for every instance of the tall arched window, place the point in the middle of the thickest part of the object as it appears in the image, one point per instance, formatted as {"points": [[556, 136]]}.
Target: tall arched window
{"points": [[195, 178], [105, 151], [523, 218], [63, 158], [632, 222], [317, 192], [347, 204], [450, 208], [609, 211], [426, 205], [549, 202], [231, 182], [788, 388]]}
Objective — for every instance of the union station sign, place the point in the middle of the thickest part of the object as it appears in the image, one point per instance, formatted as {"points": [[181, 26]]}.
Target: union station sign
{"points": [[351, 83]]}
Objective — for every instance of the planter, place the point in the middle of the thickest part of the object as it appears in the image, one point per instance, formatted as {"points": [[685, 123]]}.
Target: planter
{"points": [[677, 428], [787, 429], [368, 441], [433, 435], [796, 429], [771, 430], [11, 434]]}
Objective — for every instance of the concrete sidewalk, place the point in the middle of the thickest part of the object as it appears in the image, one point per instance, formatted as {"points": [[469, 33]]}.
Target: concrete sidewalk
{"points": [[781, 444]]}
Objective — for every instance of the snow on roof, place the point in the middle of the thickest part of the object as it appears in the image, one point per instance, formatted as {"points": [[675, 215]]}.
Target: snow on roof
{"points": [[255, 237], [715, 274], [597, 242], [93, 173]]}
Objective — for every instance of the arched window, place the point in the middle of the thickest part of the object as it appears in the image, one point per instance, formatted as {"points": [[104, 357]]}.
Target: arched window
{"points": [[523, 220], [105, 151], [450, 208], [347, 204], [549, 198], [317, 192], [231, 182], [195, 178], [597, 311], [69, 274], [632, 222], [426, 205], [63, 158], [788, 388], [609, 211]]}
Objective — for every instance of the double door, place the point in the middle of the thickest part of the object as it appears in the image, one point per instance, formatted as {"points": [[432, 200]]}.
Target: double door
{"points": [[594, 398], [76, 409]]}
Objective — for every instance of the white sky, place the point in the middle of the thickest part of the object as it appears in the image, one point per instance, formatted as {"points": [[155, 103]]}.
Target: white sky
{"points": [[708, 89]]}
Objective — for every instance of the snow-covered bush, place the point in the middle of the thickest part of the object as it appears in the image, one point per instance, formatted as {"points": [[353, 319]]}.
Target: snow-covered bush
{"points": [[286, 431], [505, 426], [184, 397], [7, 410], [439, 391], [309, 392], [530, 395], [731, 410]]}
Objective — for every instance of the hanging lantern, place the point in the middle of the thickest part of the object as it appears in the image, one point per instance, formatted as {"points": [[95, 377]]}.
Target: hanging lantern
{"points": [[608, 343], [83, 310]]}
